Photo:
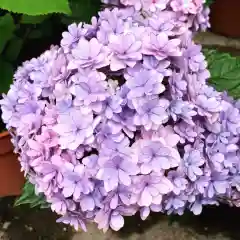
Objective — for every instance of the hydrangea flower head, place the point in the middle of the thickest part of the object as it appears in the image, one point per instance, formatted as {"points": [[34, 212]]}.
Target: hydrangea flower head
{"points": [[119, 119]]}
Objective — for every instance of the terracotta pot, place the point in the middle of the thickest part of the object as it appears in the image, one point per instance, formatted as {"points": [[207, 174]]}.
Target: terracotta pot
{"points": [[225, 18], [11, 178]]}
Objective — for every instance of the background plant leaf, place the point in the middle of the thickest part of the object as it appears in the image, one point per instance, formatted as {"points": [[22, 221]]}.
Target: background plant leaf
{"points": [[34, 34], [30, 197], [39, 7], [26, 19], [209, 2], [225, 71], [6, 75], [82, 11], [7, 28], [13, 48]]}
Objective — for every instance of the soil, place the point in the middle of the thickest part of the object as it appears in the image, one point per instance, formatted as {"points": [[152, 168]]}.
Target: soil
{"points": [[215, 223]]}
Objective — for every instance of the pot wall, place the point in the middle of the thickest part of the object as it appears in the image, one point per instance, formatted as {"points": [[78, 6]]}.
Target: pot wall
{"points": [[225, 18], [11, 178]]}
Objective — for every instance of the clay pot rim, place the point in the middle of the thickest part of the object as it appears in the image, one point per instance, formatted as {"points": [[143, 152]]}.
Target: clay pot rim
{"points": [[6, 145], [11, 178], [4, 134]]}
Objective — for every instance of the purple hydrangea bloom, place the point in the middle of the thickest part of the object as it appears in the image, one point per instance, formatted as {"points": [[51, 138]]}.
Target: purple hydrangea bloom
{"points": [[151, 112], [144, 83], [209, 107], [156, 156], [73, 132], [120, 119], [160, 46], [89, 54], [182, 110], [188, 132], [72, 36], [163, 67], [75, 182], [218, 184], [192, 162], [73, 220], [126, 51], [179, 181], [90, 90], [151, 188], [116, 170], [178, 85]]}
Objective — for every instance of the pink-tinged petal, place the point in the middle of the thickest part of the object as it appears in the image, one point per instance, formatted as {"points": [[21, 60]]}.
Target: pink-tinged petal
{"points": [[144, 213], [161, 163], [159, 119], [124, 178], [95, 47], [110, 184], [146, 168], [153, 191], [114, 202], [83, 225], [135, 93], [83, 49], [68, 191], [77, 192], [217, 158], [165, 186], [79, 139], [63, 129], [34, 145], [32, 153], [162, 39], [35, 162], [129, 167], [135, 47], [220, 187], [79, 169], [211, 191], [116, 222], [191, 174], [74, 223], [232, 148], [157, 200], [146, 198], [197, 170], [130, 63], [68, 166], [172, 139], [87, 204], [116, 64], [196, 208], [49, 177]]}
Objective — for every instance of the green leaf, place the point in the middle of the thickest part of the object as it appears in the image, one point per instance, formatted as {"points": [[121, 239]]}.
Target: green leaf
{"points": [[7, 28], [29, 197], [13, 48], [82, 11], [225, 72], [37, 7], [209, 2], [26, 19], [34, 34], [6, 76]]}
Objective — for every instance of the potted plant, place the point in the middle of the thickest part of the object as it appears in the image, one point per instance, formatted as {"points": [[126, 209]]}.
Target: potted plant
{"points": [[224, 17], [11, 178], [120, 118]]}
